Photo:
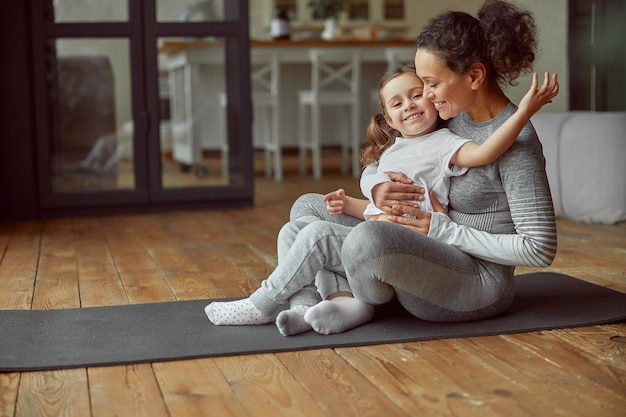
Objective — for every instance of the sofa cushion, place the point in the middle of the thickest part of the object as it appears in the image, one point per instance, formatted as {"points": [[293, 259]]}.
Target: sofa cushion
{"points": [[585, 163]]}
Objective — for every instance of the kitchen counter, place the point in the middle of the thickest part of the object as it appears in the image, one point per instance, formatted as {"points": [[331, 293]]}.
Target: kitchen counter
{"points": [[172, 47]]}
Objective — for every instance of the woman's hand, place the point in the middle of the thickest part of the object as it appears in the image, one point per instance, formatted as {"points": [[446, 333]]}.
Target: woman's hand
{"points": [[400, 188], [410, 216]]}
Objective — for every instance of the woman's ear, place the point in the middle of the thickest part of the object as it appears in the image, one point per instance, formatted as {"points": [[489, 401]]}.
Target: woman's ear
{"points": [[477, 74]]}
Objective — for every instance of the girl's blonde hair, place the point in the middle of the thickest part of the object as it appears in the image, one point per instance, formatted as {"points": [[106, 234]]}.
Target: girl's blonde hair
{"points": [[379, 134]]}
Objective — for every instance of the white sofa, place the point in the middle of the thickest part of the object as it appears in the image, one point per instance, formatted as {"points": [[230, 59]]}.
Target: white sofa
{"points": [[586, 163]]}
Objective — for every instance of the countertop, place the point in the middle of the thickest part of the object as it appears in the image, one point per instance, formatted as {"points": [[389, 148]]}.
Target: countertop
{"points": [[172, 47]]}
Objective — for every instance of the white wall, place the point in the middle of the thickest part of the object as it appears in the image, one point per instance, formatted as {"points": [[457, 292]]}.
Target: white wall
{"points": [[551, 19], [550, 16]]}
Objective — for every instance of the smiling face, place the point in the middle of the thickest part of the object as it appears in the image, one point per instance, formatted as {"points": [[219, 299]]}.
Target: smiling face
{"points": [[406, 108], [450, 92]]}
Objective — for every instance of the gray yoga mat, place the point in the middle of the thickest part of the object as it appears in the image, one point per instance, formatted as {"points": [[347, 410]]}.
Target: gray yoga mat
{"points": [[98, 336]]}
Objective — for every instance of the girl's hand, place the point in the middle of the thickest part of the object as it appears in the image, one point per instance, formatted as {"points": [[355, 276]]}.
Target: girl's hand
{"points": [[335, 201], [537, 96]]}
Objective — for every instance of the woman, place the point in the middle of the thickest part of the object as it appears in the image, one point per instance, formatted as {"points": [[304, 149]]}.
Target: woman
{"points": [[459, 266]]}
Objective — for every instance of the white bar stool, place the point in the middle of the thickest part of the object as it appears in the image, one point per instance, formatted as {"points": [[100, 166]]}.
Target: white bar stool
{"points": [[265, 82], [335, 81]]}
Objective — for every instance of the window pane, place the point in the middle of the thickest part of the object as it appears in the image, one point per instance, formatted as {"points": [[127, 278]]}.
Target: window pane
{"points": [[190, 10], [90, 11], [193, 114], [91, 145]]}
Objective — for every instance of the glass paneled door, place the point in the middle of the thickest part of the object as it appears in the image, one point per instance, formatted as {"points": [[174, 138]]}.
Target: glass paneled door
{"points": [[142, 104]]}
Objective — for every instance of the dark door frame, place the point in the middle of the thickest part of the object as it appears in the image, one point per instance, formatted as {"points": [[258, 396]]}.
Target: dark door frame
{"points": [[143, 30], [597, 64]]}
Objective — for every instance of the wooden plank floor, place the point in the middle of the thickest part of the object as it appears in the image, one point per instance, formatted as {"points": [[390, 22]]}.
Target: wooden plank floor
{"points": [[127, 259]]}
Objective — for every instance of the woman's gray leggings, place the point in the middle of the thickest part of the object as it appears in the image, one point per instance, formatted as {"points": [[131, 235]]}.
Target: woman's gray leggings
{"points": [[432, 280]]}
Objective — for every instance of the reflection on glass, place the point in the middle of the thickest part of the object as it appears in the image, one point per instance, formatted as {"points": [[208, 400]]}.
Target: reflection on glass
{"points": [[92, 129], [90, 11], [194, 144], [190, 10]]}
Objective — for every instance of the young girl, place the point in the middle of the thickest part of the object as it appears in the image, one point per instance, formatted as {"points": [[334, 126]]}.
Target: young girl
{"points": [[317, 245]]}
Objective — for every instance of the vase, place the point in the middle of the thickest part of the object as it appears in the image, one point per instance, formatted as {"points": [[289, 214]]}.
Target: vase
{"points": [[331, 30]]}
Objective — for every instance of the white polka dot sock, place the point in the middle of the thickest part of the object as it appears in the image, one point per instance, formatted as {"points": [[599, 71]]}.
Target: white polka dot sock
{"points": [[235, 313], [338, 315], [291, 322]]}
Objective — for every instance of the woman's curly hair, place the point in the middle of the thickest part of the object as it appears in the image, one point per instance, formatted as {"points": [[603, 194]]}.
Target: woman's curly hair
{"points": [[503, 37]]}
